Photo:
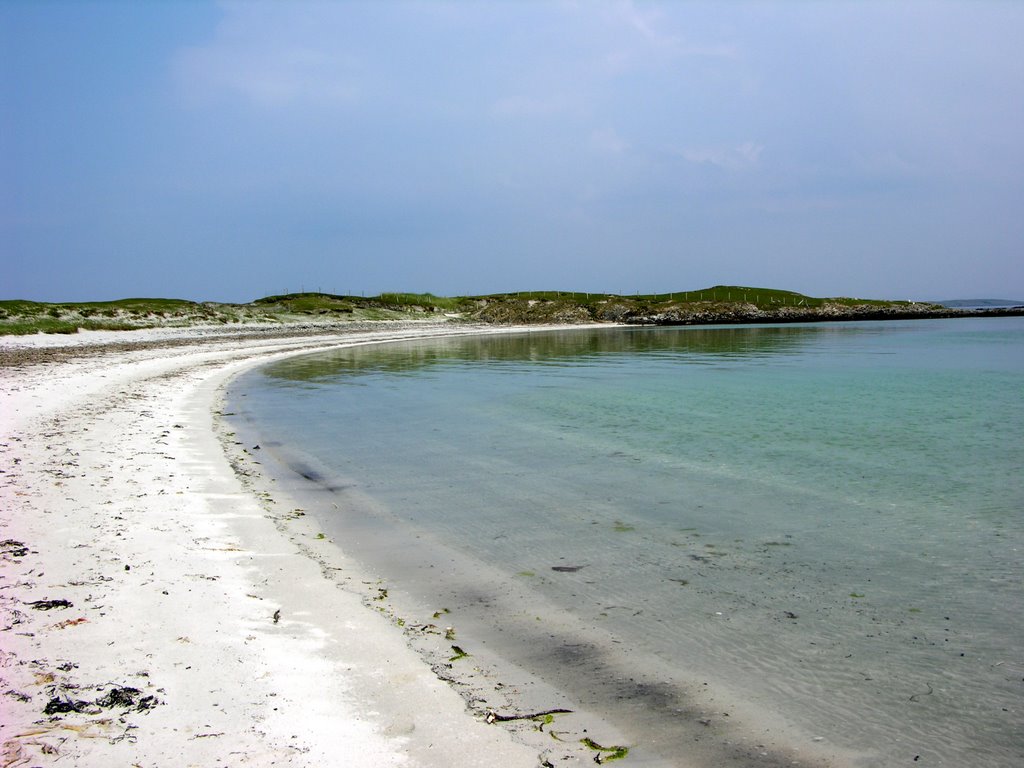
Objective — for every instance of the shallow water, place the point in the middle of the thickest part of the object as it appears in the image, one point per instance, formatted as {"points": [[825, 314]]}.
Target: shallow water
{"points": [[826, 521]]}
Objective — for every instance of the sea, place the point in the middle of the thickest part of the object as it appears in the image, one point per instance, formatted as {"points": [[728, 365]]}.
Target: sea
{"points": [[821, 523]]}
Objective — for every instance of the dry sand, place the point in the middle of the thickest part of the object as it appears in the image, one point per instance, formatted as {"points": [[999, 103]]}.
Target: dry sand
{"points": [[154, 614]]}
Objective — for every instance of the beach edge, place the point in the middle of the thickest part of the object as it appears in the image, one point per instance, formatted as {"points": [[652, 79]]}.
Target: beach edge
{"points": [[152, 609]]}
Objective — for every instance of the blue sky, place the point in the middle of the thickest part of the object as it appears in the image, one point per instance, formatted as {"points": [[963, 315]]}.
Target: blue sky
{"points": [[226, 151]]}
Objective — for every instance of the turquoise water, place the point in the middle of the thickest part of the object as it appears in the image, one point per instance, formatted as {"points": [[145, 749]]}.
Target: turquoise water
{"points": [[821, 523]]}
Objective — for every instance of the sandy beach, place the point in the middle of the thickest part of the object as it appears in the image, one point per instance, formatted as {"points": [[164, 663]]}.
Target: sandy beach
{"points": [[154, 613]]}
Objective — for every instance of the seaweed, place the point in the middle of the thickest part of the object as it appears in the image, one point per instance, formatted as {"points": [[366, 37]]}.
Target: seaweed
{"points": [[48, 605], [604, 754], [13, 548], [128, 698], [117, 696], [60, 705], [544, 717]]}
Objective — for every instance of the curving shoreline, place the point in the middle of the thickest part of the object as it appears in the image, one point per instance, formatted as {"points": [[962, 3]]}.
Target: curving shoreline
{"points": [[156, 607], [152, 612]]}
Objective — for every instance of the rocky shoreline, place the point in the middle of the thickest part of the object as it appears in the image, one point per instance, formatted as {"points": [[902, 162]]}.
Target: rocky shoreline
{"points": [[631, 312], [26, 350], [749, 313], [316, 313]]}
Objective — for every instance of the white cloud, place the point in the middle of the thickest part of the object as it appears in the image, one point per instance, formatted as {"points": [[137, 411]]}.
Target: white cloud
{"points": [[645, 24], [737, 158], [608, 141], [525, 106], [272, 79], [652, 28], [271, 58]]}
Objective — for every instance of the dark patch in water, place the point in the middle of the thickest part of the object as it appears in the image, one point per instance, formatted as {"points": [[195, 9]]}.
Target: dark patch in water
{"points": [[308, 473], [668, 719]]}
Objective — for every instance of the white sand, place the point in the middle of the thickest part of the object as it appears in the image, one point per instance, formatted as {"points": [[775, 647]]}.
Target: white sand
{"points": [[113, 479]]}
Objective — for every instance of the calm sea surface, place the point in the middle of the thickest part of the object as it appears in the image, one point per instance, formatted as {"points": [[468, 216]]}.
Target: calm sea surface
{"points": [[825, 522]]}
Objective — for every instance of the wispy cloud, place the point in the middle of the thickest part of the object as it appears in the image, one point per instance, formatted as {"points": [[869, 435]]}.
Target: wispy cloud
{"points": [[270, 59], [644, 23], [656, 31], [277, 78], [528, 106], [737, 158], [608, 141], [319, 127]]}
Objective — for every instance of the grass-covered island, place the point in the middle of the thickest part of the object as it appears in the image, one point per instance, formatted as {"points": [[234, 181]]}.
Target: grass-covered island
{"points": [[715, 305]]}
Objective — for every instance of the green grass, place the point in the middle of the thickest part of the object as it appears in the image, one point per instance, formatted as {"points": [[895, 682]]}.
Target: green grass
{"points": [[307, 303], [425, 300], [717, 294], [24, 317], [148, 306], [327, 302]]}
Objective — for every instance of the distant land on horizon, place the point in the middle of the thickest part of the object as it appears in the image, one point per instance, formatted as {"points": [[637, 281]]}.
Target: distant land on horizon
{"points": [[954, 303], [719, 304]]}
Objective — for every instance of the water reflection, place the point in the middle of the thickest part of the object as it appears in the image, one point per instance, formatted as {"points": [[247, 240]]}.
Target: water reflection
{"points": [[559, 348]]}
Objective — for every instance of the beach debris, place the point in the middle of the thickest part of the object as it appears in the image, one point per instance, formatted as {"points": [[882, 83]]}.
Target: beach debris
{"points": [[128, 698], [277, 615], [459, 653], [567, 568], [604, 754], [60, 705], [49, 605], [12, 548], [924, 693], [790, 615], [118, 696], [494, 717]]}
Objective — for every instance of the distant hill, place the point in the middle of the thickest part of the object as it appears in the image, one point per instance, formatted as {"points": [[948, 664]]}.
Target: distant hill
{"points": [[714, 305], [979, 303]]}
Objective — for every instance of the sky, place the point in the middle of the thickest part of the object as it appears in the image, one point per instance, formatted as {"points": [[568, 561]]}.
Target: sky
{"points": [[226, 151]]}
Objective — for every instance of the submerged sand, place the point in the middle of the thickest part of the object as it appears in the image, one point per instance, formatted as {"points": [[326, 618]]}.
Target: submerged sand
{"points": [[153, 613], [163, 603]]}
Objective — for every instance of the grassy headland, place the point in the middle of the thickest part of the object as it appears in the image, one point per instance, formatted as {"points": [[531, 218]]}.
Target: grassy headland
{"points": [[718, 304]]}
